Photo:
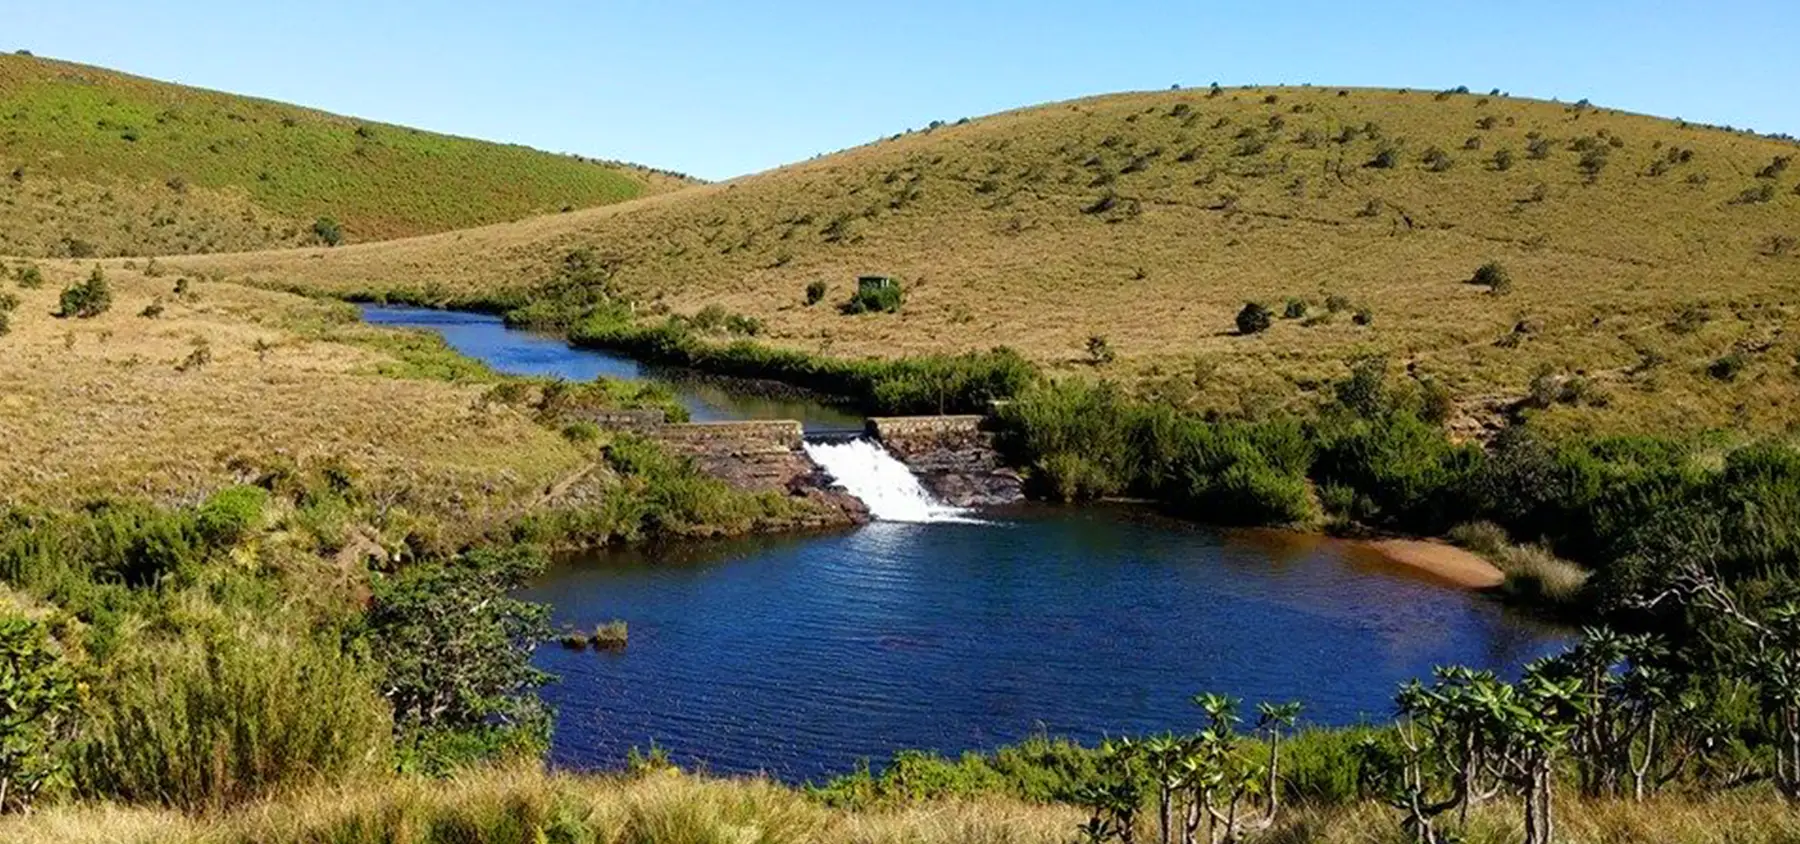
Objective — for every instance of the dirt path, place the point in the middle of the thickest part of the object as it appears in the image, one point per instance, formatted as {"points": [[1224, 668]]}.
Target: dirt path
{"points": [[1456, 565]]}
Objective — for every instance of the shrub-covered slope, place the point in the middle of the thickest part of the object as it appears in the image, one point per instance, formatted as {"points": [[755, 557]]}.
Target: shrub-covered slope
{"points": [[1649, 266], [94, 162]]}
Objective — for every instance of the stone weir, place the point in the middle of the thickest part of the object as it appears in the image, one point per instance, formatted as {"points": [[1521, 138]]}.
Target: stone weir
{"points": [[953, 456], [759, 456]]}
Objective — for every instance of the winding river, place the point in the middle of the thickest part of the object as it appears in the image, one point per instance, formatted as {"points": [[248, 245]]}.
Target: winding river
{"points": [[798, 656]]}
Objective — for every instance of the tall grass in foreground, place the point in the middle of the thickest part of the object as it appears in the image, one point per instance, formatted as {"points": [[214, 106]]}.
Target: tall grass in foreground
{"points": [[524, 805], [1532, 572]]}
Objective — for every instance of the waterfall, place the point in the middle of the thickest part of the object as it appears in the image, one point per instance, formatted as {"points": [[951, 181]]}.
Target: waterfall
{"points": [[866, 470]]}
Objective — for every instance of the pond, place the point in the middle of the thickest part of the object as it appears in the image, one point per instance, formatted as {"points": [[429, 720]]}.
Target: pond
{"points": [[798, 656]]}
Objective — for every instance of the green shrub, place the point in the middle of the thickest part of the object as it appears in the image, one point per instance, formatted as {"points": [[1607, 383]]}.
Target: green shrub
{"points": [[1436, 160], [1363, 316], [1254, 318], [89, 298], [328, 231], [1387, 158], [1494, 277], [38, 704], [1294, 309], [229, 515], [29, 276], [581, 432], [1728, 367], [883, 298], [1503, 159], [203, 725], [815, 292]]}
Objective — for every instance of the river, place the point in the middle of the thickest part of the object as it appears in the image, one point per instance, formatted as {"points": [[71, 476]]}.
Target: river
{"points": [[801, 655]]}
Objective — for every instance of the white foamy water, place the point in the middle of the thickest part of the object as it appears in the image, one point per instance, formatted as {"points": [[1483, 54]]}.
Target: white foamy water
{"points": [[893, 494]]}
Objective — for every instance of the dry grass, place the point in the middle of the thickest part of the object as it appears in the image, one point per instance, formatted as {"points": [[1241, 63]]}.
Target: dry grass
{"points": [[525, 805], [1530, 570], [98, 162], [103, 406], [1639, 279]]}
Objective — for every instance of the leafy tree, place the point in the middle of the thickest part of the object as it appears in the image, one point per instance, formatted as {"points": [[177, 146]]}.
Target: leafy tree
{"points": [[89, 298], [456, 651], [37, 711]]}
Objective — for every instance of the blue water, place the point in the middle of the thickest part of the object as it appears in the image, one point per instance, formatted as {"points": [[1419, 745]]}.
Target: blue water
{"points": [[800, 656], [487, 338]]}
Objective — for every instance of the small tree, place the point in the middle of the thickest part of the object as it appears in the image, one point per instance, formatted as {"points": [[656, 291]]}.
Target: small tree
{"points": [[37, 711], [1254, 318], [89, 298]]}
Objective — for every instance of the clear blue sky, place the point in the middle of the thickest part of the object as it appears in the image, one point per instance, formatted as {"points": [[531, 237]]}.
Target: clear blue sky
{"points": [[722, 89]]}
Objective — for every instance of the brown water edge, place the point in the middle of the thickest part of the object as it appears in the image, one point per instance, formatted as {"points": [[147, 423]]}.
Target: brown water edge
{"points": [[1429, 560]]}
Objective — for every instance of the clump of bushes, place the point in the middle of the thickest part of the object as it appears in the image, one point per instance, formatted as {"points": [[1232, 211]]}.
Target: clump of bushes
{"points": [[875, 298], [28, 276], [815, 292], [1254, 318], [1503, 159], [1436, 160], [328, 231], [87, 299]]}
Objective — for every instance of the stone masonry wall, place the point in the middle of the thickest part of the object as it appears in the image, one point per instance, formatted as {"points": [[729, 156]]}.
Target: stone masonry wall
{"points": [[953, 457]]}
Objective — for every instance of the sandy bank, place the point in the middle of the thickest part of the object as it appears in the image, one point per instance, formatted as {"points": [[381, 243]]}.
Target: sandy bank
{"points": [[1439, 559]]}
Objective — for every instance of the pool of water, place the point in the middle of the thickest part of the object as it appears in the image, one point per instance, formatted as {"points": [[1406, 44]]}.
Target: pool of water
{"points": [[799, 656]]}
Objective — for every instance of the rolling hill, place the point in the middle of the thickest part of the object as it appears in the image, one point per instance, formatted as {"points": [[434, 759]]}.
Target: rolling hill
{"points": [[99, 163], [1651, 265]]}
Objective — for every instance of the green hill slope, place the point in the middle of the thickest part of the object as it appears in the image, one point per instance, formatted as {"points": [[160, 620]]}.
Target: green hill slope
{"points": [[1652, 264], [98, 162]]}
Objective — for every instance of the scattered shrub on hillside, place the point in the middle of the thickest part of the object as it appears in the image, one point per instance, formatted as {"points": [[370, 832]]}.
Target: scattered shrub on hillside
{"points": [[1777, 245], [1099, 351], [328, 231], [199, 356], [8, 302], [1372, 208], [1538, 148], [1487, 122], [1775, 168], [89, 298], [1494, 277], [1728, 367], [29, 276], [1387, 158], [1337, 303], [1105, 203], [1756, 195], [1436, 160], [1294, 309], [1503, 159], [152, 310], [1364, 316], [1592, 162], [884, 298], [1254, 318], [1473, 142], [1271, 99], [74, 247], [5, 323], [581, 433]]}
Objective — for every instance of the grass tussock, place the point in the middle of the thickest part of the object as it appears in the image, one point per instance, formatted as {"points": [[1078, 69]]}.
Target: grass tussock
{"points": [[1533, 573]]}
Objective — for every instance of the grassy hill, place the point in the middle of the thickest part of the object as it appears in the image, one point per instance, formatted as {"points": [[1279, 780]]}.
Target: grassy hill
{"points": [[94, 162], [1651, 264]]}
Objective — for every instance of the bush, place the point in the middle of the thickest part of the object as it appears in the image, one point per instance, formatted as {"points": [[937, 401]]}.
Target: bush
{"points": [[1728, 367], [1364, 316], [328, 231], [1503, 159], [1099, 351], [229, 515], [1493, 276], [37, 711], [1254, 318], [815, 292], [1387, 158], [1436, 160], [202, 725], [1538, 148], [455, 650], [5, 323], [1294, 309], [884, 298], [29, 276], [89, 298]]}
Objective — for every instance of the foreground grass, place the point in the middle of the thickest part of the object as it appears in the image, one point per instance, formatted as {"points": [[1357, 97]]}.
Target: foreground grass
{"points": [[99, 162], [523, 805], [1648, 261]]}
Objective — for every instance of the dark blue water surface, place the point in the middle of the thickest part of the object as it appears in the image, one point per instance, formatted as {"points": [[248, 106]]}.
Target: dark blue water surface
{"points": [[707, 399], [800, 656]]}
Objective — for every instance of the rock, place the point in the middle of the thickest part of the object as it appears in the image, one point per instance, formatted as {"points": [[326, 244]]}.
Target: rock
{"points": [[952, 456]]}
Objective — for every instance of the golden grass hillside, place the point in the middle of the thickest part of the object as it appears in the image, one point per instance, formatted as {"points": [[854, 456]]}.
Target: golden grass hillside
{"points": [[94, 162], [1653, 264], [225, 379]]}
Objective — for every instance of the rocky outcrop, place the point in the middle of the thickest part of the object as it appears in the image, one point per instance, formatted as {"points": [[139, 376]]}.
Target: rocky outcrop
{"points": [[762, 456], [952, 456]]}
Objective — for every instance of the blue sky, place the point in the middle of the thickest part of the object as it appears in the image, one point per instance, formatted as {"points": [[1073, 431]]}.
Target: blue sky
{"points": [[722, 89]]}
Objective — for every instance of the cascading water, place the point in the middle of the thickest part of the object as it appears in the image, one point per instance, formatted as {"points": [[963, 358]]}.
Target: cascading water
{"points": [[891, 491]]}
